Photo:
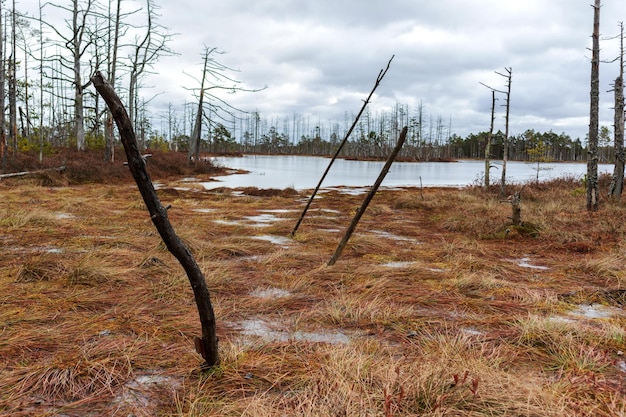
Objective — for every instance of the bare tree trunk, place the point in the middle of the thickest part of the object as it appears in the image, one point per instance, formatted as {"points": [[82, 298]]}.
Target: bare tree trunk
{"points": [[207, 345], [380, 77], [4, 148], [505, 144], [13, 85], [41, 89], [77, 45], [368, 198], [592, 153], [488, 145], [108, 127], [194, 140], [617, 183]]}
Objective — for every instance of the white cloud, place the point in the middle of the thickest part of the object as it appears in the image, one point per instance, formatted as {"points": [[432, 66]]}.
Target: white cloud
{"points": [[321, 57]]}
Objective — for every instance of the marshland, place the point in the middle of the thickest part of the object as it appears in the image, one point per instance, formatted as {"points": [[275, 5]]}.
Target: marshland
{"points": [[437, 306]]}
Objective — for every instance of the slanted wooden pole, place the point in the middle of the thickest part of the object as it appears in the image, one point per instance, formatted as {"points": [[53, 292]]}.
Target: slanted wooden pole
{"points": [[368, 198], [207, 345], [380, 77]]}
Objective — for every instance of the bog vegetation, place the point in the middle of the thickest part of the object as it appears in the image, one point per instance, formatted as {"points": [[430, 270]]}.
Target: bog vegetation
{"points": [[438, 306]]}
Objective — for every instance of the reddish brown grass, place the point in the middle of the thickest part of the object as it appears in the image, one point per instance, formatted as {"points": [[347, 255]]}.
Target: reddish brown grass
{"points": [[433, 308]]}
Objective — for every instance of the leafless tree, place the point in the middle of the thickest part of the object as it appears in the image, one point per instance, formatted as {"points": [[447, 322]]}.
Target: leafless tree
{"points": [[617, 183], [13, 82], [505, 144], [592, 152], [146, 52], [3, 136], [77, 41], [214, 78]]}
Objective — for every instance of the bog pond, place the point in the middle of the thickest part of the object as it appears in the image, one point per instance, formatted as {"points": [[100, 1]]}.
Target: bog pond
{"points": [[304, 172]]}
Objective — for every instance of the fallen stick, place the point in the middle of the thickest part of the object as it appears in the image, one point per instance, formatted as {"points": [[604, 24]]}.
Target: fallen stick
{"points": [[39, 171]]}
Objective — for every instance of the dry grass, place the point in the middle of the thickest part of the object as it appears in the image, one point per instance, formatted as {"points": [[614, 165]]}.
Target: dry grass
{"points": [[432, 310]]}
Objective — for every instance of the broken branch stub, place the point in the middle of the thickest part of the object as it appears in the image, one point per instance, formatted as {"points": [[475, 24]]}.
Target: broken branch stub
{"points": [[158, 214]]}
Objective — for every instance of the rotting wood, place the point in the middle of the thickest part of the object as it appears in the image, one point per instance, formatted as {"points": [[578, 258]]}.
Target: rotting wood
{"points": [[158, 214], [39, 171], [368, 198], [380, 77]]}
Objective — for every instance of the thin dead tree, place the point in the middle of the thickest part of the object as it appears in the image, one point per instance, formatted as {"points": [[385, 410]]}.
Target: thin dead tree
{"points": [[617, 183], [76, 42], [489, 137], [505, 144], [380, 77], [214, 78], [12, 73], [488, 146], [147, 51], [592, 153], [207, 344], [113, 46], [370, 195], [4, 148]]}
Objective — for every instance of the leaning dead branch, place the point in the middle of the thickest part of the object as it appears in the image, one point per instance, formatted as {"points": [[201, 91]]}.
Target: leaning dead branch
{"points": [[207, 345], [380, 77], [368, 198]]}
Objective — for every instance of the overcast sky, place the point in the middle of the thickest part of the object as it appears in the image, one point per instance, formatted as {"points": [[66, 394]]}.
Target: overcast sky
{"points": [[320, 58]]}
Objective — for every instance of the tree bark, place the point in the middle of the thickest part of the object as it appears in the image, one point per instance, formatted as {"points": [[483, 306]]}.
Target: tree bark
{"points": [[592, 153], [207, 345], [368, 198]]}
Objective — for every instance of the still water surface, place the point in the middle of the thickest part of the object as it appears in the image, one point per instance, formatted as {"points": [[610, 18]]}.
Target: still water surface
{"points": [[304, 172]]}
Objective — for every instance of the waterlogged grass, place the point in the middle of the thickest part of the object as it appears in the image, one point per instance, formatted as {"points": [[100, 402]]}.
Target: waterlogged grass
{"points": [[432, 310]]}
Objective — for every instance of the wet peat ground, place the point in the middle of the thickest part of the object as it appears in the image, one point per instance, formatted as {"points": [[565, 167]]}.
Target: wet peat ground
{"points": [[436, 307]]}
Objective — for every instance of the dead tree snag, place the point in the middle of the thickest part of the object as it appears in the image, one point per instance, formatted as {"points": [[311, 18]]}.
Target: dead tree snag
{"points": [[207, 345]]}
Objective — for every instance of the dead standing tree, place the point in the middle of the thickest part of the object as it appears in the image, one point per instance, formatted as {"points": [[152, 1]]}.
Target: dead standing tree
{"points": [[489, 137], [592, 153], [380, 77], [617, 183], [505, 143], [207, 345]]}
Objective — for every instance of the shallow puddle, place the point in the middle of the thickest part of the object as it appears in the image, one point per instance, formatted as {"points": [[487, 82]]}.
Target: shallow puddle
{"points": [[277, 240], [393, 236], [595, 311], [203, 210], [399, 264], [276, 332], [588, 312], [142, 391], [270, 293], [525, 263], [228, 222]]}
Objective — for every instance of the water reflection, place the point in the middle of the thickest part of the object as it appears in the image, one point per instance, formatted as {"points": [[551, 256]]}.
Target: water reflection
{"points": [[304, 172]]}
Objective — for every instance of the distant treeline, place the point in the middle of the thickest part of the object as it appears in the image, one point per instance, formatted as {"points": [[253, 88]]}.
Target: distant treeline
{"points": [[528, 146]]}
